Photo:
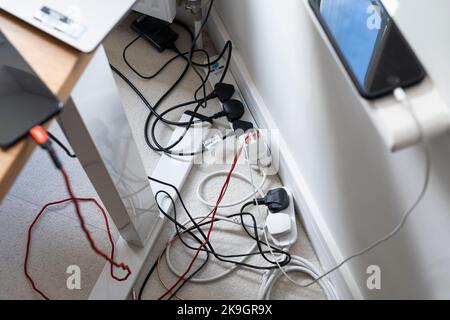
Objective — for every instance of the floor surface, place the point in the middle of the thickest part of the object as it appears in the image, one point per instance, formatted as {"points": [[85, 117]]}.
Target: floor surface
{"points": [[58, 241]]}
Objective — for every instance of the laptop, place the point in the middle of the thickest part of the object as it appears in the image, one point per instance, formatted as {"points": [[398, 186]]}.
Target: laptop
{"points": [[25, 100], [83, 24]]}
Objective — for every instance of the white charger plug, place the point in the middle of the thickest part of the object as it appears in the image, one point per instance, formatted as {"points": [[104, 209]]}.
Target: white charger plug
{"points": [[282, 226], [278, 224]]}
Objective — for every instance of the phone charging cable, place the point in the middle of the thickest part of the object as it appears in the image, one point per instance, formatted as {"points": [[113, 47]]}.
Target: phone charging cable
{"points": [[41, 137]]}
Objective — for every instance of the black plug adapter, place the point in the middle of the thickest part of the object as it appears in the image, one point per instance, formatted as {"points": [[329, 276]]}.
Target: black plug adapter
{"points": [[276, 200], [224, 91], [155, 31], [234, 110], [242, 127]]}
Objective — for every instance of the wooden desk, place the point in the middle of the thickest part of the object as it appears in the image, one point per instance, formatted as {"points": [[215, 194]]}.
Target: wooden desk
{"points": [[94, 122], [97, 128], [57, 64]]}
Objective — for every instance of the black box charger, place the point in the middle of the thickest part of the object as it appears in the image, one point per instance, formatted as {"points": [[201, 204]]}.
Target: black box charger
{"points": [[155, 31]]}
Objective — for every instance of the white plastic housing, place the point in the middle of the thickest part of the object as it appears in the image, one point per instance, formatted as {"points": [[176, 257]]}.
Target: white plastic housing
{"points": [[161, 9], [276, 226]]}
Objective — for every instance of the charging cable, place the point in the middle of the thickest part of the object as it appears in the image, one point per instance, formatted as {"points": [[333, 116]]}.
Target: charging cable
{"points": [[234, 175], [401, 96], [42, 139], [254, 158]]}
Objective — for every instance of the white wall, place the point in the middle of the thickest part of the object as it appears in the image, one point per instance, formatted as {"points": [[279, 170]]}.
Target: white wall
{"points": [[361, 189]]}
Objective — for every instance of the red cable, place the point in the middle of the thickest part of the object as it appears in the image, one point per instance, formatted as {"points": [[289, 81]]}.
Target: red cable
{"points": [[219, 200], [94, 247]]}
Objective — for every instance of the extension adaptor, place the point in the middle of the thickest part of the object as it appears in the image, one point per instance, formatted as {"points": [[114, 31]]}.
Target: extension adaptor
{"points": [[155, 31], [283, 234]]}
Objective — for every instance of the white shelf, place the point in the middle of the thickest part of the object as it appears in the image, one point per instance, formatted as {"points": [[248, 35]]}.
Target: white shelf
{"points": [[395, 124]]}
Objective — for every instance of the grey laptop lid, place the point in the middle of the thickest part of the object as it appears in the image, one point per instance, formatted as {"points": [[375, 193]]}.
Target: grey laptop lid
{"points": [[82, 24], [25, 101]]}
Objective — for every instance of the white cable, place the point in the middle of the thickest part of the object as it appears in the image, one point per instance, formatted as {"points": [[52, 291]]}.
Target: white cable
{"points": [[252, 249], [298, 264], [234, 175], [401, 97]]}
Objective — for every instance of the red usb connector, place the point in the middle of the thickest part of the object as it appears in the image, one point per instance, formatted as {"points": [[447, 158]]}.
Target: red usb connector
{"points": [[39, 135]]}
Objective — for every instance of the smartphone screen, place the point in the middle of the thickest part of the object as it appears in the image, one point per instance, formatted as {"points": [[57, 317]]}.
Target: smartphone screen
{"points": [[370, 45], [25, 101]]}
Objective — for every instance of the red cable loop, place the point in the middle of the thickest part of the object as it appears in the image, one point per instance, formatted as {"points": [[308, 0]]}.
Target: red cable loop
{"points": [[94, 247]]}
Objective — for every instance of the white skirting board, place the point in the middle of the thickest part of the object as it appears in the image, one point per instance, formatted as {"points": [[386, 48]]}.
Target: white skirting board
{"points": [[319, 234]]}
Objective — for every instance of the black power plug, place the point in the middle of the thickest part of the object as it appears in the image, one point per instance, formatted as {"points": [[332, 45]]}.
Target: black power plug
{"points": [[242, 127], [234, 110], [223, 91], [276, 200]]}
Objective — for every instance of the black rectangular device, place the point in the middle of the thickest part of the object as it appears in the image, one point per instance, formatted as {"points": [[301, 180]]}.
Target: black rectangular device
{"points": [[157, 32], [370, 45], [25, 101]]}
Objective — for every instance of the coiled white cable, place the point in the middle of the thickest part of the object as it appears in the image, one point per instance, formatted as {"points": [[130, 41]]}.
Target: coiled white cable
{"points": [[298, 264], [234, 175]]}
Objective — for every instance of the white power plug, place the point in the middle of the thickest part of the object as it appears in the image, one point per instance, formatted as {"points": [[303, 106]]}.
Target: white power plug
{"points": [[278, 224], [259, 153]]}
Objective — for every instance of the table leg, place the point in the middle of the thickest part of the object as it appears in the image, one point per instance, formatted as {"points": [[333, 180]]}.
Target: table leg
{"points": [[97, 127]]}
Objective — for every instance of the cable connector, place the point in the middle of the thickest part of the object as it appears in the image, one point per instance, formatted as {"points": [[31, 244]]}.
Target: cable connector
{"points": [[242, 127], [276, 200], [40, 136], [223, 91], [233, 110], [400, 95]]}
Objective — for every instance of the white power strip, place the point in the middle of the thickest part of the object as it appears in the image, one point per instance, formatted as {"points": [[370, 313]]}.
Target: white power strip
{"points": [[175, 170], [216, 73]]}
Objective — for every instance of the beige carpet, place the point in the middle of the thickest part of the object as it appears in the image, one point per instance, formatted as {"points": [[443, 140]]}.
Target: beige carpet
{"points": [[58, 240]]}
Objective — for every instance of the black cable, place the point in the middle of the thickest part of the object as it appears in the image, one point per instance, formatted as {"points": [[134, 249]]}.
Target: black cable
{"points": [[189, 125], [208, 244], [158, 148], [61, 145], [191, 122], [147, 278], [177, 225], [211, 250], [154, 75], [190, 64], [177, 229], [147, 103], [152, 270], [148, 121]]}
